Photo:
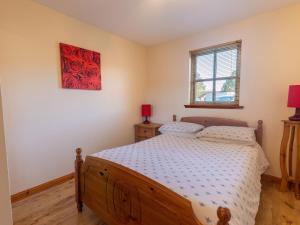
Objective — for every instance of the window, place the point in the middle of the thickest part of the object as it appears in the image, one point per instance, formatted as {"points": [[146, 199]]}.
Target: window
{"points": [[215, 76]]}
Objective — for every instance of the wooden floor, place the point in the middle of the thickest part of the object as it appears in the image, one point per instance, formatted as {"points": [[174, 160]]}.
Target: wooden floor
{"points": [[57, 206]]}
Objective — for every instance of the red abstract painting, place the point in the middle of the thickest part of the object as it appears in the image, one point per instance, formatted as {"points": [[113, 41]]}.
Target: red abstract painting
{"points": [[80, 68]]}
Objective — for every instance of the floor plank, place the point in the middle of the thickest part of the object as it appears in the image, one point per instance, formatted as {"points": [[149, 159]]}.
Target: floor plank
{"points": [[56, 206], [277, 208]]}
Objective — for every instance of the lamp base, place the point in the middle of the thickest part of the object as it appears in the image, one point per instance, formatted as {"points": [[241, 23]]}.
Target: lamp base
{"points": [[146, 121], [295, 117]]}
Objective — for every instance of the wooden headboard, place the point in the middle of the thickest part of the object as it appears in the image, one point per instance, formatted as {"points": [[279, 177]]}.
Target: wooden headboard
{"points": [[215, 121]]}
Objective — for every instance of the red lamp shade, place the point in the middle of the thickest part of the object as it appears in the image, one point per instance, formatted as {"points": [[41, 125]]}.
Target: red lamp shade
{"points": [[294, 101], [146, 110], [294, 96]]}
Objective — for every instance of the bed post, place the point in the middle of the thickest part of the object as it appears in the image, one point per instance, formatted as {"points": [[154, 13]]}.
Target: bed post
{"points": [[78, 165], [259, 132], [174, 118], [224, 216]]}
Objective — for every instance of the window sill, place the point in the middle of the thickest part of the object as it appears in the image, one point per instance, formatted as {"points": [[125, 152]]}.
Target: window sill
{"points": [[214, 106]]}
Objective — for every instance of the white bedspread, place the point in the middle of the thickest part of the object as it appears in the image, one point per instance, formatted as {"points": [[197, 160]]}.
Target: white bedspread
{"points": [[209, 174]]}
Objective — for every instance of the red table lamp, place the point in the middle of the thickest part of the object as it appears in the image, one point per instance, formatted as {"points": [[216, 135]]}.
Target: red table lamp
{"points": [[146, 112], [294, 101]]}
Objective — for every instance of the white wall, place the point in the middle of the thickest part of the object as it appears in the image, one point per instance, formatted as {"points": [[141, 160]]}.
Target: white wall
{"points": [[45, 123], [270, 62], [5, 205]]}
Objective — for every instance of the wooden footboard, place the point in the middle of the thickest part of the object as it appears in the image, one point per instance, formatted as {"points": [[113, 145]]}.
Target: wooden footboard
{"points": [[122, 196]]}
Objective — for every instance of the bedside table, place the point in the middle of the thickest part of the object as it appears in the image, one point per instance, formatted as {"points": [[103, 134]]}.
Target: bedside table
{"points": [[291, 134], [146, 131]]}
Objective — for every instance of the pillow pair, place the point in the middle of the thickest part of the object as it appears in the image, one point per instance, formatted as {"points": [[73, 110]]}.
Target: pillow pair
{"points": [[226, 134]]}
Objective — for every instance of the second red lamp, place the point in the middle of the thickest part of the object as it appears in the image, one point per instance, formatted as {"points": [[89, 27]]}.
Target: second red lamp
{"points": [[146, 110]]}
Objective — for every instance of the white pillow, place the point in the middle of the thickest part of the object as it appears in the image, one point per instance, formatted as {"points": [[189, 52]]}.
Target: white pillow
{"points": [[181, 127], [181, 134], [244, 134], [227, 141]]}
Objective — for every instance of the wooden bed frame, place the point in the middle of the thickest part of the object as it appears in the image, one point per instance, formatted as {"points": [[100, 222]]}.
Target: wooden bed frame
{"points": [[119, 195]]}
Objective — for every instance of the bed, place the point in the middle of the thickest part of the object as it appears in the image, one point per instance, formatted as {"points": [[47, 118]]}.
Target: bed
{"points": [[169, 180]]}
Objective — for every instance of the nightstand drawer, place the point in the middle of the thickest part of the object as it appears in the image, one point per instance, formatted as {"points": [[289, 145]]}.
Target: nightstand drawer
{"points": [[145, 132], [137, 139]]}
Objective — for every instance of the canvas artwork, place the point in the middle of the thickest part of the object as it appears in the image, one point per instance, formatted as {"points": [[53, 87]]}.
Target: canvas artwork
{"points": [[80, 68]]}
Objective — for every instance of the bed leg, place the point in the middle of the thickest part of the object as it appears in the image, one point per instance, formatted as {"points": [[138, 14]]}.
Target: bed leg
{"points": [[224, 216], [78, 165]]}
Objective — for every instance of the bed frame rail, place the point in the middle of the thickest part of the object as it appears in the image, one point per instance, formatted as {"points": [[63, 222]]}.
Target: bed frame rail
{"points": [[120, 196]]}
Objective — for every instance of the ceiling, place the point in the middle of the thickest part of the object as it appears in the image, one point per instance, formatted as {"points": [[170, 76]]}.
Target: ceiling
{"points": [[151, 22]]}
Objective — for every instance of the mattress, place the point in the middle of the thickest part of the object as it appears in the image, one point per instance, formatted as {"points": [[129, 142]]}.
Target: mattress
{"points": [[209, 174]]}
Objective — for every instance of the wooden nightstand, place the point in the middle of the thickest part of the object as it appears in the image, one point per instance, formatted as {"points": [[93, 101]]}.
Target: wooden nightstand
{"points": [[291, 133], [145, 131]]}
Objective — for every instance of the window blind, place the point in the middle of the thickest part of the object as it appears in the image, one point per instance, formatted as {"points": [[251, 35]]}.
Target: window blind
{"points": [[215, 74]]}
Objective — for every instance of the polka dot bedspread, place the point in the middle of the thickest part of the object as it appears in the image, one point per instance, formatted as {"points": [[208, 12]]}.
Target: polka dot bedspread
{"points": [[209, 174]]}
